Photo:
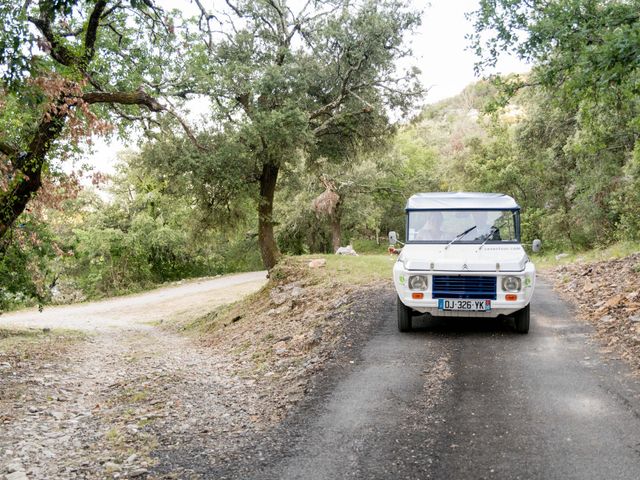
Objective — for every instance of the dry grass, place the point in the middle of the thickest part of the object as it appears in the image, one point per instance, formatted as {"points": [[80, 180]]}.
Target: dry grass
{"points": [[31, 343], [548, 260]]}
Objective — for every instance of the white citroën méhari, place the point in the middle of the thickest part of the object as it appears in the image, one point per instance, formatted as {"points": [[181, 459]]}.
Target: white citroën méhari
{"points": [[463, 257]]}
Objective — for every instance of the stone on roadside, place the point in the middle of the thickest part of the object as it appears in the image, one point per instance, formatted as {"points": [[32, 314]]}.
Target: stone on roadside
{"points": [[57, 415], [14, 466], [112, 466], [317, 263], [138, 472], [348, 250], [296, 291], [19, 475]]}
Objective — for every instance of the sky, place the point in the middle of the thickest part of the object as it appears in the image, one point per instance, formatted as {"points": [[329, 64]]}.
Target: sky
{"points": [[439, 49]]}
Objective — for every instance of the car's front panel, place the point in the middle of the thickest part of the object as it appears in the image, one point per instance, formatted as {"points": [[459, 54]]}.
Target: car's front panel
{"points": [[446, 293]]}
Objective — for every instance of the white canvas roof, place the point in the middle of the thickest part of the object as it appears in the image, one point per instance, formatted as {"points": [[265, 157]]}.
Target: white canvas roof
{"points": [[460, 200]]}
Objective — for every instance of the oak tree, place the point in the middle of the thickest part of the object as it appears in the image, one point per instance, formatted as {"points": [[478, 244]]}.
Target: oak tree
{"points": [[67, 66], [319, 81]]}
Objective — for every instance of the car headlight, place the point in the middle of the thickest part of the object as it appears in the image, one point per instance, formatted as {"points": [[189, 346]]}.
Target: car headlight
{"points": [[511, 284], [418, 282]]}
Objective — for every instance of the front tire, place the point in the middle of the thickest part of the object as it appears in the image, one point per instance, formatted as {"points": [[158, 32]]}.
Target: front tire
{"points": [[522, 318], [404, 317]]}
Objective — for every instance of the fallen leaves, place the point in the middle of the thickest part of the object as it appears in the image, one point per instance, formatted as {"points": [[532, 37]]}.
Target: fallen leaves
{"points": [[607, 294]]}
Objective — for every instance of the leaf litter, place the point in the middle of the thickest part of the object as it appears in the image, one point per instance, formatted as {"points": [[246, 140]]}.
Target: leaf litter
{"points": [[607, 294]]}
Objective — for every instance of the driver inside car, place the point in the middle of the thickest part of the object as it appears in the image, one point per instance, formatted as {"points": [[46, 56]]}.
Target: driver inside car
{"points": [[485, 229], [432, 228]]}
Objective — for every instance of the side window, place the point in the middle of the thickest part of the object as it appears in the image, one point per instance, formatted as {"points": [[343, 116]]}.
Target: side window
{"points": [[417, 221]]}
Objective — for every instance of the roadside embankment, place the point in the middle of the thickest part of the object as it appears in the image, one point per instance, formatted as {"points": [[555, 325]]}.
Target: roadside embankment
{"points": [[607, 294], [283, 334]]}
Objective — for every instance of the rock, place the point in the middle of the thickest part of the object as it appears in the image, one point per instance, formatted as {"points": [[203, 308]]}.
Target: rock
{"points": [[32, 409], [348, 250], [613, 301], [316, 337], [340, 302], [57, 415], [279, 297], [112, 466], [589, 286], [634, 318], [138, 472], [132, 458], [317, 263], [19, 475], [14, 466], [296, 292]]}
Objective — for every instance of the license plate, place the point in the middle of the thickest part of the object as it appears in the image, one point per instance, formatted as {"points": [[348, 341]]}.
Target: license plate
{"points": [[464, 305]]}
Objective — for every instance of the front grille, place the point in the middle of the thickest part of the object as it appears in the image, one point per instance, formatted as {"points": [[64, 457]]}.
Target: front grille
{"points": [[457, 286]]}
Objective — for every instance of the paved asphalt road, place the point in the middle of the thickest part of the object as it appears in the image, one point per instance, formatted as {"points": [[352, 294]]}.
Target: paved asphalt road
{"points": [[469, 399]]}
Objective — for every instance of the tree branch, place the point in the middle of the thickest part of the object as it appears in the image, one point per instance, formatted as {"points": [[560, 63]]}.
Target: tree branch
{"points": [[92, 30], [59, 51], [8, 149], [207, 17], [138, 97]]}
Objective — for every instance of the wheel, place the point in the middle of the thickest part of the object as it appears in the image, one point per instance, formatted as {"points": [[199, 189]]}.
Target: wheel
{"points": [[522, 320], [404, 317]]}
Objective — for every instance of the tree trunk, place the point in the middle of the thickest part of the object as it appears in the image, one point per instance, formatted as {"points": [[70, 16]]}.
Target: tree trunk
{"points": [[336, 232], [268, 247], [336, 224], [28, 176]]}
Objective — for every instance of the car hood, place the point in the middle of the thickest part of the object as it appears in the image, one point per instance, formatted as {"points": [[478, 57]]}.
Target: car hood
{"points": [[464, 257]]}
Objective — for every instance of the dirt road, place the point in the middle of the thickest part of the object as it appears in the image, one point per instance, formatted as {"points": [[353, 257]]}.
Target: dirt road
{"points": [[91, 413], [466, 399], [137, 311]]}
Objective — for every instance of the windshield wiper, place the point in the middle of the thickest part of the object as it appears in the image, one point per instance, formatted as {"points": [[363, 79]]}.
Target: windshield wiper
{"points": [[495, 228], [492, 230], [460, 236]]}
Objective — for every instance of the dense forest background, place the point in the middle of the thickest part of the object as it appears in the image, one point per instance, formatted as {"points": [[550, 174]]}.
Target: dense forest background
{"points": [[562, 139]]}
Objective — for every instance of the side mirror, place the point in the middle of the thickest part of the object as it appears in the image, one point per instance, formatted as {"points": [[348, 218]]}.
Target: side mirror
{"points": [[536, 245], [393, 238]]}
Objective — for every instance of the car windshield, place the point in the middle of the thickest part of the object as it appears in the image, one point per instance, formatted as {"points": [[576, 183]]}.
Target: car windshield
{"points": [[446, 225]]}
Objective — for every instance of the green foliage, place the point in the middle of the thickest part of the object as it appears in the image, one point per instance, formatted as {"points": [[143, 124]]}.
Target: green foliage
{"points": [[13, 35], [299, 84], [25, 265], [581, 115], [147, 235]]}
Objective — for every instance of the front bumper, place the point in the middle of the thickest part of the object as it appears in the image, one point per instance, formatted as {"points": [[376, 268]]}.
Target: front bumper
{"points": [[499, 306]]}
